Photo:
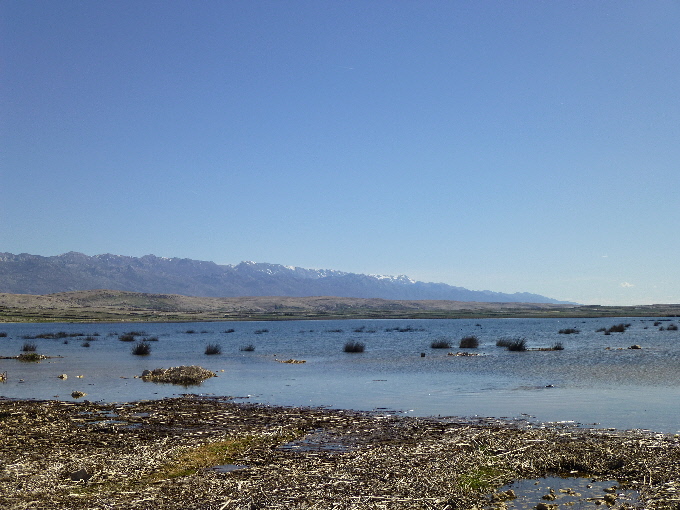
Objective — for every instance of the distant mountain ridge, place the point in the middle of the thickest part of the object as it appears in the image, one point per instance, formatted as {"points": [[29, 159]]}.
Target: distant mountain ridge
{"points": [[35, 274]]}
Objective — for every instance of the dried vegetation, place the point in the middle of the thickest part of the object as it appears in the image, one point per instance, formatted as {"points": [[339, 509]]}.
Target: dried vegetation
{"points": [[158, 454]]}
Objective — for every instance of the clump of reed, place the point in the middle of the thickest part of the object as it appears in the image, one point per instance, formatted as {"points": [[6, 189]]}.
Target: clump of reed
{"points": [[29, 347], [440, 343], [247, 348], [353, 346], [513, 344], [569, 331], [618, 328], [141, 349], [211, 349], [469, 342], [672, 327], [557, 346], [230, 330], [126, 338], [85, 344], [261, 331], [503, 341], [3, 334]]}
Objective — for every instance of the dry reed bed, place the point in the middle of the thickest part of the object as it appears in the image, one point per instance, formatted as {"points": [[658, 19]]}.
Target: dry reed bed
{"points": [[156, 454]]}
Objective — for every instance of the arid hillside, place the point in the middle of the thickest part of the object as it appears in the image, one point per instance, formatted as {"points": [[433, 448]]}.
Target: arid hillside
{"points": [[108, 305]]}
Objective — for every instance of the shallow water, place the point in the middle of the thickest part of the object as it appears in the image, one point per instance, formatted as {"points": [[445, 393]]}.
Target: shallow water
{"points": [[586, 383]]}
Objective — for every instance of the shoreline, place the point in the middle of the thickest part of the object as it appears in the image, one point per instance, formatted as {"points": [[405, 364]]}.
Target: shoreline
{"points": [[158, 454]]}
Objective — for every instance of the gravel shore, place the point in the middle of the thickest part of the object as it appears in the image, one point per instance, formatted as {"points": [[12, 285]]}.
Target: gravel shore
{"points": [[162, 455]]}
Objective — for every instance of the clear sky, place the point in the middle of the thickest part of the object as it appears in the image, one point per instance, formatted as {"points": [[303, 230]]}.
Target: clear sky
{"points": [[510, 146]]}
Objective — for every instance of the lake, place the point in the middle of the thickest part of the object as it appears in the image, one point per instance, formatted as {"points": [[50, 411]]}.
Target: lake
{"points": [[596, 380]]}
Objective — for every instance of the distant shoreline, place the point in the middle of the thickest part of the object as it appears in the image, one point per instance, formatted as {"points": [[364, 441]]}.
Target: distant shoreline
{"points": [[122, 306]]}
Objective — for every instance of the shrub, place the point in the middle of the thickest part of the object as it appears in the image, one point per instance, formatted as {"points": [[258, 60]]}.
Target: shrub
{"points": [[440, 344], [29, 347], [469, 342], [353, 346], [141, 349], [213, 349], [249, 348], [517, 344], [568, 331]]}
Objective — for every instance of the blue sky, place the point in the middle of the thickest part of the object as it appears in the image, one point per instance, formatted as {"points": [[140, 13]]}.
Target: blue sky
{"points": [[510, 146]]}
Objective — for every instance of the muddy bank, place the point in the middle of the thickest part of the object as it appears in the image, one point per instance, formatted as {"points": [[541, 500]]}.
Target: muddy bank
{"points": [[160, 454]]}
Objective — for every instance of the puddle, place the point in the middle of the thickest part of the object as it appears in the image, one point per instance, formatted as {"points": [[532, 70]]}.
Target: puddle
{"points": [[227, 468], [561, 493], [317, 441]]}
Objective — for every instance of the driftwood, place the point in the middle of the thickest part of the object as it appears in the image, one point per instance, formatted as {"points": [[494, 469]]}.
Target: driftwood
{"points": [[158, 454]]}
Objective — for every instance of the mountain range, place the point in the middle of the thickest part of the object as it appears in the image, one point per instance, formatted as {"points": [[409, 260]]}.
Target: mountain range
{"points": [[73, 271]]}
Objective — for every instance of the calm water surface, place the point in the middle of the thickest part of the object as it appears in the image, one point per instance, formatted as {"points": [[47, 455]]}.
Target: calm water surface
{"points": [[595, 380]]}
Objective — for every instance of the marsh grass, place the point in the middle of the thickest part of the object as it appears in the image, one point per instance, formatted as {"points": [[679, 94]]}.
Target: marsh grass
{"points": [[517, 345], [141, 349], [618, 328], [29, 347], [469, 342], [191, 460], [353, 346], [504, 341], [211, 349]]}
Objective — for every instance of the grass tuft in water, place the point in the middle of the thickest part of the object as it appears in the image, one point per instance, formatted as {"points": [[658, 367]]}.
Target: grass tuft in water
{"points": [[469, 342], [353, 346], [211, 349]]}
